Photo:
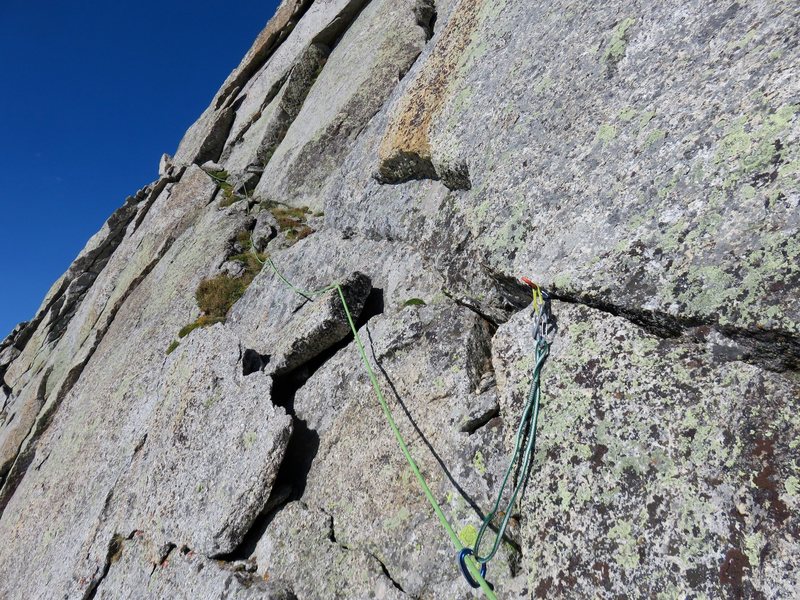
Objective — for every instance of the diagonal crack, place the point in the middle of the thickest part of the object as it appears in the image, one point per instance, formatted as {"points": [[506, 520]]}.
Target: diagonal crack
{"points": [[386, 572]]}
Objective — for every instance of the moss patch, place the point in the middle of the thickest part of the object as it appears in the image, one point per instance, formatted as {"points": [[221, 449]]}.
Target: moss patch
{"points": [[203, 321]]}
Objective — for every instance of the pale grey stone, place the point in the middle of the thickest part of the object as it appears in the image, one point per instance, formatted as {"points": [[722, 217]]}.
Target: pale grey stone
{"points": [[653, 463], [164, 164], [141, 569], [214, 445], [301, 546], [387, 37], [265, 230], [232, 268], [319, 324], [638, 160], [255, 145], [320, 22], [210, 166]]}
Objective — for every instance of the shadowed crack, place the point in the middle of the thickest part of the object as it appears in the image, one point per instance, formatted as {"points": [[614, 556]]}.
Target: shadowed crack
{"points": [[473, 425], [253, 362], [386, 572], [112, 555], [276, 31], [290, 482], [773, 350]]}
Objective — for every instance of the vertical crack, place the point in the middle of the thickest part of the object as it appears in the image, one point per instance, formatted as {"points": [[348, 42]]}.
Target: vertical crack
{"points": [[112, 555], [290, 482]]}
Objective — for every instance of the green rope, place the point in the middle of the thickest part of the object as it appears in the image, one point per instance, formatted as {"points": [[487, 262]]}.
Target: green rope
{"points": [[437, 509]]}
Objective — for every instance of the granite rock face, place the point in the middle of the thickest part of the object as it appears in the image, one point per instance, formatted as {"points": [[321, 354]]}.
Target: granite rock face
{"points": [[177, 422]]}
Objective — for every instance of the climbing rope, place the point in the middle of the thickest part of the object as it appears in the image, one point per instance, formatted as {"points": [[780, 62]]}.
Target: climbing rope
{"points": [[472, 565], [525, 442], [467, 565]]}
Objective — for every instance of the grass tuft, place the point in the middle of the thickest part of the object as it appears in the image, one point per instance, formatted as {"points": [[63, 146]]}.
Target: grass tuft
{"points": [[291, 221], [215, 296], [171, 348], [203, 321]]}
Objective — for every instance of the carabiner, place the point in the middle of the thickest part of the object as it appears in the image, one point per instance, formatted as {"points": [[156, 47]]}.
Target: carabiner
{"points": [[465, 572]]}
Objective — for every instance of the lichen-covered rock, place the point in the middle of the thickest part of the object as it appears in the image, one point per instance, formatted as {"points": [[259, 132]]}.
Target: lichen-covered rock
{"points": [[662, 464]]}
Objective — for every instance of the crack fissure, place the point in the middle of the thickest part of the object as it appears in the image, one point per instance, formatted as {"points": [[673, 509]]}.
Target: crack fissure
{"points": [[112, 555], [260, 58], [290, 482], [772, 350], [386, 572], [777, 351]]}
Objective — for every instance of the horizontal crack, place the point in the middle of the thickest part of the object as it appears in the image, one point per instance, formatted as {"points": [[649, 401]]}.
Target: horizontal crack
{"points": [[768, 349]]}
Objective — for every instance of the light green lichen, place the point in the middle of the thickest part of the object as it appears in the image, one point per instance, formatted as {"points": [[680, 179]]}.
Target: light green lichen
{"points": [[400, 517], [543, 84], [468, 536], [627, 114], [654, 137], [249, 439], [565, 495], [753, 545], [792, 485], [562, 281], [479, 463], [626, 554], [745, 40], [645, 118], [605, 133], [615, 49]]}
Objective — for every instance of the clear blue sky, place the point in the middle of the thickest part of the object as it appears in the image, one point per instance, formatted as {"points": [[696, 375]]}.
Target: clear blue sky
{"points": [[92, 94]]}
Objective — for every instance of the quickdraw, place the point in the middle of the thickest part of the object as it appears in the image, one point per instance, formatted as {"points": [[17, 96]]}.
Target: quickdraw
{"points": [[471, 564], [526, 432]]}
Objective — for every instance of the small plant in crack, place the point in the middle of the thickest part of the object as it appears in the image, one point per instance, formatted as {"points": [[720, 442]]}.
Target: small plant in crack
{"points": [[215, 296], [229, 195], [414, 302], [293, 222]]}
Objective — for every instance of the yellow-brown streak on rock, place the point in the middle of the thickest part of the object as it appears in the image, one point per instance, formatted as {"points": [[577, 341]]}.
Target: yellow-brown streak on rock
{"points": [[405, 151]]}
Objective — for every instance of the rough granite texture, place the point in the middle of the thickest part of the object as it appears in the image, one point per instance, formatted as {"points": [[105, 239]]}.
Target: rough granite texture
{"points": [[640, 160]]}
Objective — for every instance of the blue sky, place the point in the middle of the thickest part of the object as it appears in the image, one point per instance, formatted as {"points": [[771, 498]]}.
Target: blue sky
{"points": [[92, 94]]}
